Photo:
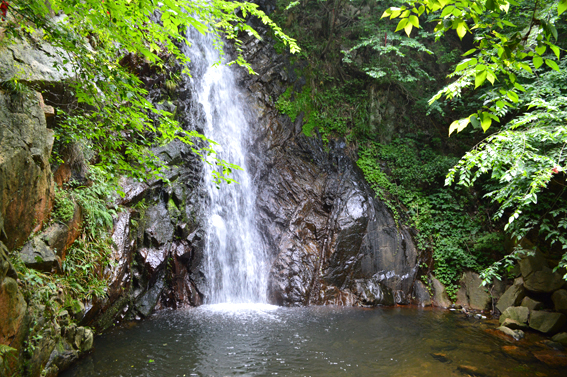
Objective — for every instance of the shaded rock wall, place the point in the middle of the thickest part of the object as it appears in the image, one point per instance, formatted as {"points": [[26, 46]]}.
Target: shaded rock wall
{"points": [[331, 240], [26, 187]]}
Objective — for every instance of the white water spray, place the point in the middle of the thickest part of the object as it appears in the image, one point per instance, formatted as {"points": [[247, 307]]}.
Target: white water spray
{"points": [[235, 264]]}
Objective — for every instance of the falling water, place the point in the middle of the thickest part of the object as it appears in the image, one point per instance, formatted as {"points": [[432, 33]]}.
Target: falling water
{"points": [[235, 261]]}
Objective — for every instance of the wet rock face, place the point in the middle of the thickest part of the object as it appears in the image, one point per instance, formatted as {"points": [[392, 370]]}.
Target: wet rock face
{"points": [[26, 186], [327, 234]]}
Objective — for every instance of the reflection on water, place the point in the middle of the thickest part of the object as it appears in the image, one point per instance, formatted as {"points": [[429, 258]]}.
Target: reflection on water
{"points": [[262, 340]]}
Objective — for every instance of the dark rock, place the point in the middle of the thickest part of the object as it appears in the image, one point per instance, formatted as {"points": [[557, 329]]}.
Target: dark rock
{"points": [[147, 302], [560, 301], [519, 314], [560, 338], [372, 293], [441, 357], [546, 322], [513, 324], [421, 294], [159, 229], [532, 304], [37, 255], [538, 277], [512, 296]]}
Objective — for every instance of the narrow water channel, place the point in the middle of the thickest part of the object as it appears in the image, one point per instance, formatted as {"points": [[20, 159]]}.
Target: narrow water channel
{"points": [[264, 340]]}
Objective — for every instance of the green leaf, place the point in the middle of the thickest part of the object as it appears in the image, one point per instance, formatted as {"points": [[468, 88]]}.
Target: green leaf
{"points": [[414, 20], [541, 49], [408, 28], [561, 7], [461, 29], [402, 24], [552, 64], [538, 61], [458, 125], [447, 11], [469, 52], [490, 77], [479, 78], [513, 96], [386, 13], [555, 50], [485, 121]]}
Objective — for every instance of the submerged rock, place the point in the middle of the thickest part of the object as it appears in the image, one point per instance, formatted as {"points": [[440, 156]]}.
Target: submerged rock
{"points": [[516, 334]]}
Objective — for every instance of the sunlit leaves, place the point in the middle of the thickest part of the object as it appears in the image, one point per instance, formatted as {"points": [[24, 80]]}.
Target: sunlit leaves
{"points": [[561, 7]]}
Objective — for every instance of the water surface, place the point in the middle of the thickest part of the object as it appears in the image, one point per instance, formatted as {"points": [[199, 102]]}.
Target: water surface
{"points": [[264, 340]]}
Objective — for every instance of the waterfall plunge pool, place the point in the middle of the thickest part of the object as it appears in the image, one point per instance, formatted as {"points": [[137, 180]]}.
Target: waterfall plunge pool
{"points": [[264, 340]]}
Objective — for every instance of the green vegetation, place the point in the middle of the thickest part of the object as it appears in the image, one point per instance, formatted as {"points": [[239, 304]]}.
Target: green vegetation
{"points": [[510, 77], [112, 112]]}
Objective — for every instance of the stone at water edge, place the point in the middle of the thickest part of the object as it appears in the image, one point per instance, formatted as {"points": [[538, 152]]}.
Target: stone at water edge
{"points": [[519, 314], [516, 334], [478, 296], [513, 295], [560, 301], [546, 322], [531, 304], [513, 324], [421, 293], [440, 297], [560, 338]]}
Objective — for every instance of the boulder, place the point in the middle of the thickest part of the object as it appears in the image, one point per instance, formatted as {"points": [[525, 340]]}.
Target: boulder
{"points": [[538, 277], [421, 294], [519, 314], [440, 296], [532, 304], [37, 255], [516, 334], [560, 301], [560, 338], [546, 322], [372, 293], [512, 296], [478, 296]]}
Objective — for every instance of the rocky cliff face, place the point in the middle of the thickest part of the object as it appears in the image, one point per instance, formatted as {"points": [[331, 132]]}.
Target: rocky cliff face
{"points": [[331, 240]]}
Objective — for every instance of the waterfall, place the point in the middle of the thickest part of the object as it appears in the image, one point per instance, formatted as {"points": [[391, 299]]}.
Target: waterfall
{"points": [[235, 265]]}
